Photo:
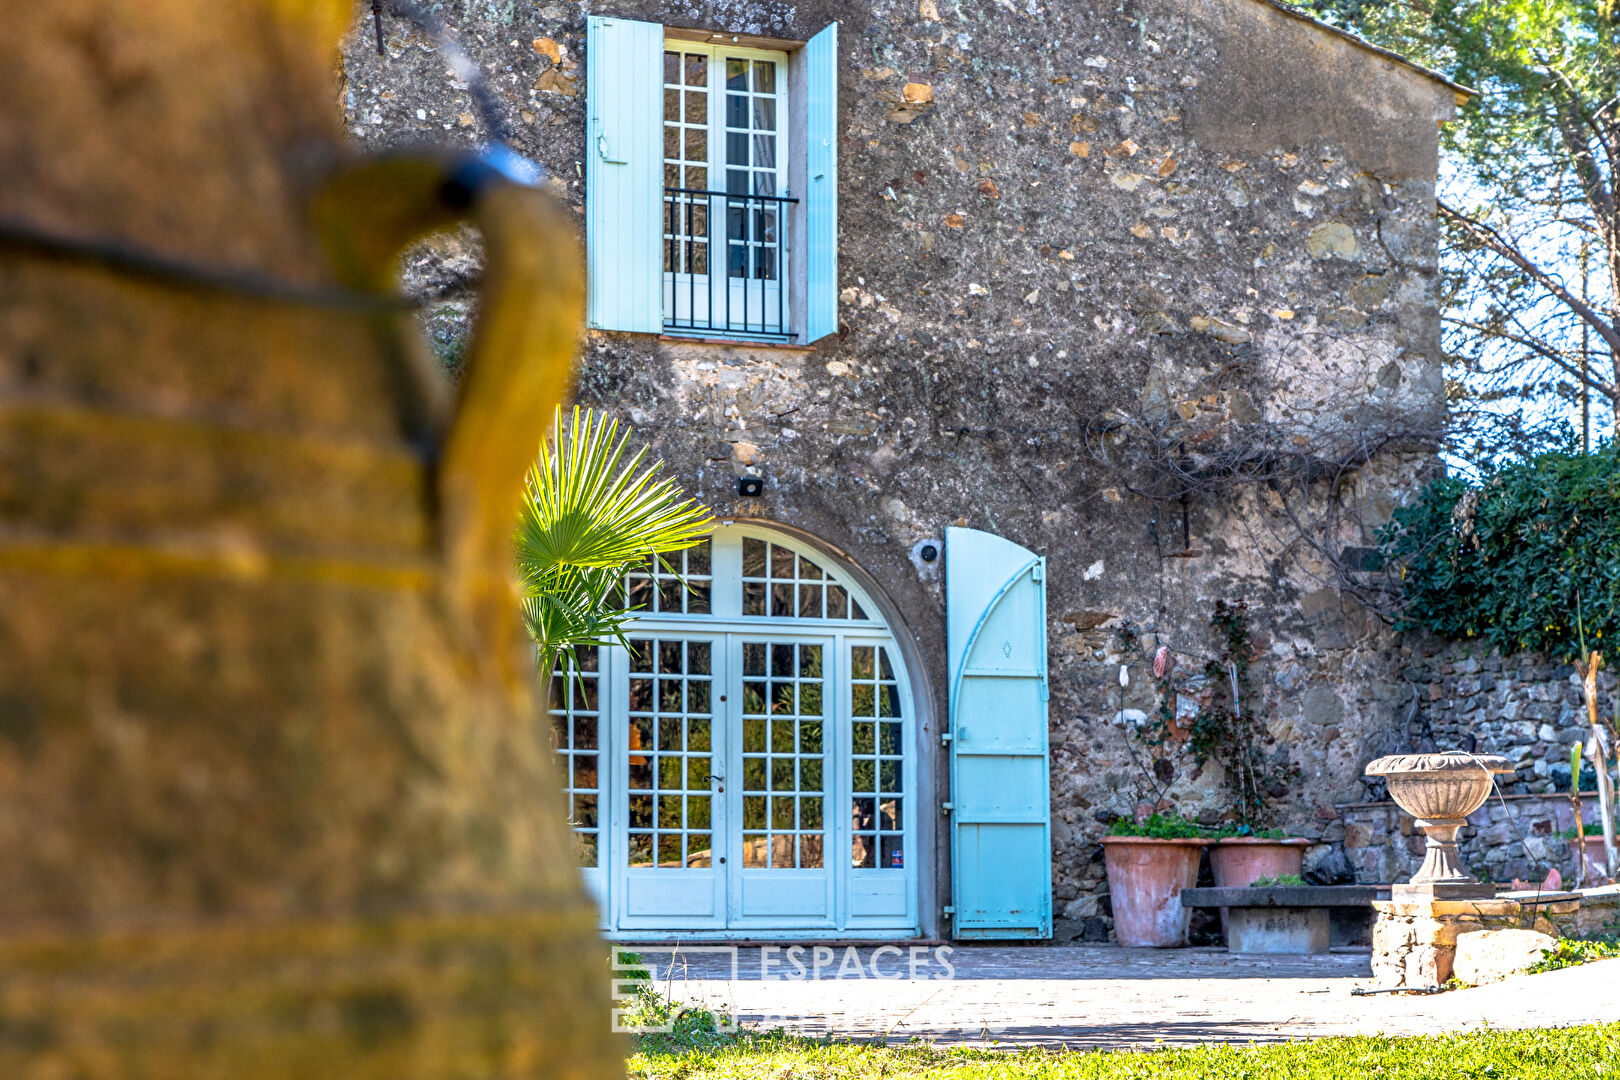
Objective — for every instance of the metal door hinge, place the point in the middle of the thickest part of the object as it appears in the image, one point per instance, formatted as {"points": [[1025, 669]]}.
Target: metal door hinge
{"points": [[945, 737], [950, 911], [946, 807]]}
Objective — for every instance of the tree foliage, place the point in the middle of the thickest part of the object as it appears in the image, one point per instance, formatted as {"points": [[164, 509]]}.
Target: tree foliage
{"points": [[589, 516], [1528, 201], [1526, 560]]}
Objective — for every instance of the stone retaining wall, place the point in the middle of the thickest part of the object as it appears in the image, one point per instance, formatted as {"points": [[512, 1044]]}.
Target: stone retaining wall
{"points": [[1526, 707], [1382, 845]]}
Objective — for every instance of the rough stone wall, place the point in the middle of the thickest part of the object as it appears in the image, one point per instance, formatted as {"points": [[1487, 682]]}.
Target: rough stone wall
{"points": [[1505, 839], [1060, 224], [1526, 707]]}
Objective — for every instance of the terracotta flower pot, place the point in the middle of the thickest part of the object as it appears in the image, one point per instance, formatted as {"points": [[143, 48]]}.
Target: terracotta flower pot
{"points": [[1237, 861], [1145, 878]]}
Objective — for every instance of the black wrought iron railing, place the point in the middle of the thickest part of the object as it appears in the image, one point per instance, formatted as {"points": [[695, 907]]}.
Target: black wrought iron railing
{"points": [[725, 263]]}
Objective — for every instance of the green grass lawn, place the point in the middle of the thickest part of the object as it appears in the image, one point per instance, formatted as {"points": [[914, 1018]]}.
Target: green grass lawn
{"points": [[1573, 1053]]}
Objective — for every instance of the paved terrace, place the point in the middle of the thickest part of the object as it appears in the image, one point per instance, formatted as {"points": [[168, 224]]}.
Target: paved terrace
{"points": [[1104, 997]]}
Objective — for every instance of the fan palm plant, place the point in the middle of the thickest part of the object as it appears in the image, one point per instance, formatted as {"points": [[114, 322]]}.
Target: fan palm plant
{"points": [[591, 514]]}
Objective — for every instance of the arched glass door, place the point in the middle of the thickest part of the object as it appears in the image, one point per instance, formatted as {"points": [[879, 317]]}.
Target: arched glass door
{"points": [[748, 766]]}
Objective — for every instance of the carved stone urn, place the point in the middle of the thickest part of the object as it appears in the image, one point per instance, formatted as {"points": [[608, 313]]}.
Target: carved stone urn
{"points": [[1440, 791]]}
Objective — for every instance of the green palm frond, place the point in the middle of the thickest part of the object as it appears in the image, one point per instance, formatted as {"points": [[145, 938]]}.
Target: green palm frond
{"points": [[590, 514]]}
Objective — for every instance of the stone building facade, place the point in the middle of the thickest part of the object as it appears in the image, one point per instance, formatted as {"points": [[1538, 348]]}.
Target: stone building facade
{"points": [[1115, 281]]}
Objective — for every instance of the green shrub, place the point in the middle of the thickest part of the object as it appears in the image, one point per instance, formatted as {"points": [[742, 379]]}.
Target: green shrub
{"points": [[1513, 561], [1159, 827], [1572, 951]]}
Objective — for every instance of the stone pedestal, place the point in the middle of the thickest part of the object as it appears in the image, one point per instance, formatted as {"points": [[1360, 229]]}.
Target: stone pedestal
{"points": [[1415, 939]]}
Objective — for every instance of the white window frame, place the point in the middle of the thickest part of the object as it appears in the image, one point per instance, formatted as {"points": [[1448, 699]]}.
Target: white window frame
{"points": [[679, 287]]}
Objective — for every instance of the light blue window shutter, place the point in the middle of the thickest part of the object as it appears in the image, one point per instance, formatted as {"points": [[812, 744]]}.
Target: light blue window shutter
{"points": [[821, 195], [624, 168], [1001, 845]]}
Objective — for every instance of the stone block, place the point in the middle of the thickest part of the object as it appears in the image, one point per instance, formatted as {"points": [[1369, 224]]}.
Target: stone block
{"points": [[1277, 930], [1495, 954]]}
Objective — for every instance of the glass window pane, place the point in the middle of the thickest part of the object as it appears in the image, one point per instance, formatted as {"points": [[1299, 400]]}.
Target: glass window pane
{"points": [[584, 733], [764, 114], [672, 105], [863, 744], [754, 658], [585, 771], [891, 776], [764, 158], [640, 654], [585, 849], [810, 774], [754, 736], [782, 665], [781, 594], [810, 813], [810, 601], [697, 658], [697, 69], [855, 610], [736, 74], [754, 774], [837, 602], [585, 811], [697, 145], [754, 812], [765, 76], [889, 815], [669, 849], [697, 107], [864, 815], [782, 778], [672, 67], [753, 557], [699, 850], [782, 731], [753, 598], [863, 853], [672, 143], [810, 852], [697, 735], [809, 740], [890, 739], [737, 117], [697, 559], [892, 858], [641, 811], [640, 850], [755, 849], [782, 562], [669, 811], [669, 772], [782, 812]]}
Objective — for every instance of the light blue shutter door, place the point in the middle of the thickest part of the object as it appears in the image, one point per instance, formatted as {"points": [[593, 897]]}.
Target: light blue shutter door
{"points": [[1001, 847], [624, 168], [821, 196]]}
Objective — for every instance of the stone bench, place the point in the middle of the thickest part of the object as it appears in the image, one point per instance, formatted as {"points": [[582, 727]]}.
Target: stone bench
{"points": [[1283, 918]]}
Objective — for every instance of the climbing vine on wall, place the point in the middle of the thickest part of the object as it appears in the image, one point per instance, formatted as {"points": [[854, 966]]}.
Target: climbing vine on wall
{"points": [[1228, 727]]}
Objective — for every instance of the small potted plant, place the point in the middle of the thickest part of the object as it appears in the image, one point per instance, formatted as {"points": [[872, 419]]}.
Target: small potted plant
{"points": [[1149, 862]]}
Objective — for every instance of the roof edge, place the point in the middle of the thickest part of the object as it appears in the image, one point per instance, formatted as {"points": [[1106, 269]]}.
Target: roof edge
{"points": [[1463, 92]]}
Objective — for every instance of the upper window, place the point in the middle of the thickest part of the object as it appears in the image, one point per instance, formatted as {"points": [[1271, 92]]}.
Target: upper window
{"points": [[711, 187], [725, 191]]}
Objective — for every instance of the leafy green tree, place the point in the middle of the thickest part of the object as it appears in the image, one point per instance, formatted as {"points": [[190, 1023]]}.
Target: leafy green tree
{"points": [[590, 515], [1528, 560], [1529, 201]]}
